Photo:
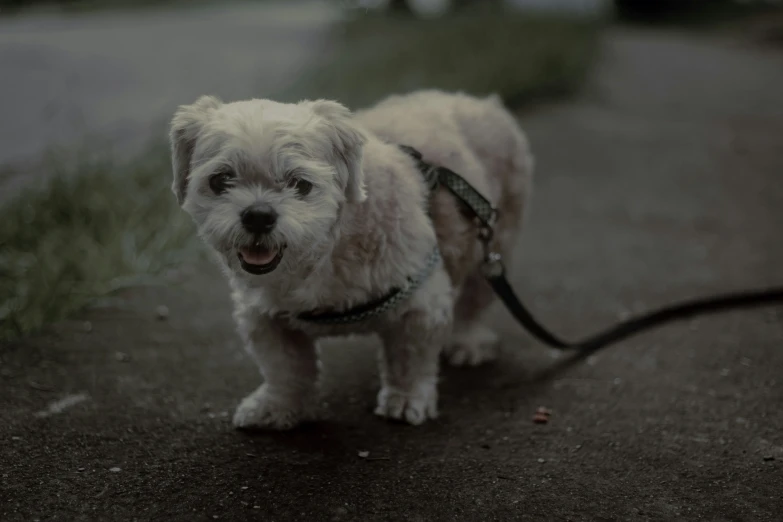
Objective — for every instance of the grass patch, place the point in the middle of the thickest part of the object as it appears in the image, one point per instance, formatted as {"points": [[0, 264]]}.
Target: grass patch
{"points": [[479, 50], [86, 235], [96, 227]]}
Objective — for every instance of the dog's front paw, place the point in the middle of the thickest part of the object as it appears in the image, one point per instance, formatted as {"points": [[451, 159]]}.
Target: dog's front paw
{"points": [[412, 407], [263, 409]]}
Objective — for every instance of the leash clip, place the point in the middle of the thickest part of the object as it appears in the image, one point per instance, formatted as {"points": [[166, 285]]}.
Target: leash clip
{"points": [[492, 266]]}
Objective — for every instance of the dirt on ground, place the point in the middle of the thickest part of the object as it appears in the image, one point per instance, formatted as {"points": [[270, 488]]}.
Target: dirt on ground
{"points": [[661, 182]]}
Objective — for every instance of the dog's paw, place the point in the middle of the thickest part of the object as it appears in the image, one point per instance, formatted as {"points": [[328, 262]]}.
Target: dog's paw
{"points": [[413, 407], [472, 347], [264, 410]]}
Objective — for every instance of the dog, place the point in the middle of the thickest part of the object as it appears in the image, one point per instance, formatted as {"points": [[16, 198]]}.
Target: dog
{"points": [[310, 208]]}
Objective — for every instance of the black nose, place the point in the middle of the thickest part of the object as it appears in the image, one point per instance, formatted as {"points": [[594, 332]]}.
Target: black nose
{"points": [[259, 218]]}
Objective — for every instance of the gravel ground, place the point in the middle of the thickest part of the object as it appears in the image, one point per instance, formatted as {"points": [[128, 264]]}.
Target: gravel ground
{"points": [[662, 182]]}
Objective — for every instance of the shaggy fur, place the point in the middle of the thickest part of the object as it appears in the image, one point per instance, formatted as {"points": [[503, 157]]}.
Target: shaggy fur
{"points": [[362, 229]]}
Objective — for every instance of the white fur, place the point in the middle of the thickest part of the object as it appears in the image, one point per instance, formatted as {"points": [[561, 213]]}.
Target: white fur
{"points": [[362, 230]]}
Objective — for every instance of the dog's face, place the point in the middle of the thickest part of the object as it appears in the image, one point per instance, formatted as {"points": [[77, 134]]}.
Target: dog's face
{"points": [[265, 181]]}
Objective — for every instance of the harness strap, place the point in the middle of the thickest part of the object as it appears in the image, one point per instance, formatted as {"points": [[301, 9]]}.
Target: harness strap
{"points": [[473, 203], [495, 273], [475, 206], [379, 306]]}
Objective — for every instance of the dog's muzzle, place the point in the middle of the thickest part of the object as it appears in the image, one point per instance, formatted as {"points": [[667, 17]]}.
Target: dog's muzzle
{"points": [[259, 257]]}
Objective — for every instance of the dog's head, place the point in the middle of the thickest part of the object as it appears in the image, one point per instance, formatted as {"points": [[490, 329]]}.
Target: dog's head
{"points": [[265, 181]]}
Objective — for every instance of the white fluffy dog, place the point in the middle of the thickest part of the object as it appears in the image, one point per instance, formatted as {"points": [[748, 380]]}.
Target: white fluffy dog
{"points": [[312, 209]]}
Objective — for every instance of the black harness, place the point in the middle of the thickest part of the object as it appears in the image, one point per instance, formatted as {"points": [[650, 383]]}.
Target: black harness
{"points": [[476, 207]]}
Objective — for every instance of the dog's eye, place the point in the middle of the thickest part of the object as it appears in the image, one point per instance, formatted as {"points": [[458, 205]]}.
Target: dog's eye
{"points": [[221, 182], [303, 187]]}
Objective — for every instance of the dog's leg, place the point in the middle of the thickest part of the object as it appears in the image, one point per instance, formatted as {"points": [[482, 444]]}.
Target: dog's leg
{"points": [[472, 342], [411, 349], [288, 363], [503, 150]]}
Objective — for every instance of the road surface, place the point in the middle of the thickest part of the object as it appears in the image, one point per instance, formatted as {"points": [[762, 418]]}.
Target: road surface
{"points": [[112, 78], [661, 182]]}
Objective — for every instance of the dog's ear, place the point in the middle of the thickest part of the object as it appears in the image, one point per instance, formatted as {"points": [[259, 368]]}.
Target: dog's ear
{"points": [[185, 128], [347, 143]]}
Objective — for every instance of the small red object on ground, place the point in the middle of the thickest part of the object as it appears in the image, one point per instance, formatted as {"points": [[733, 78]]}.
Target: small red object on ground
{"points": [[541, 416]]}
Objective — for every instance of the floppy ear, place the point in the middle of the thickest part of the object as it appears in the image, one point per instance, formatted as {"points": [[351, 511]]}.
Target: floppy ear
{"points": [[185, 128], [347, 143]]}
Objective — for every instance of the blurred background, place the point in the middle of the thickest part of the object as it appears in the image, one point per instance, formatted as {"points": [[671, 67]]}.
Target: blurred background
{"points": [[658, 131], [89, 84]]}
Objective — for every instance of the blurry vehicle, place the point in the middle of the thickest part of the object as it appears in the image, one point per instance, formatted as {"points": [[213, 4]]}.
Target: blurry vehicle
{"points": [[435, 8], [623, 9], [421, 8]]}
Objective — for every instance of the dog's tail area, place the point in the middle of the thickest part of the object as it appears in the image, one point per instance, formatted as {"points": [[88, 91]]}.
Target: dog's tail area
{"points": [[495, 136]]}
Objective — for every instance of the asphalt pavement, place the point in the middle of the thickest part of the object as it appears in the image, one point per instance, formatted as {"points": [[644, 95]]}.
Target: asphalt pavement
{"points": [[112, 79], [662, 181]]}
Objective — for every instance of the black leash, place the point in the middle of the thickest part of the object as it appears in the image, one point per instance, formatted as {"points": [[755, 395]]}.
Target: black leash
{"points": [[485, 214], [634, 325]]}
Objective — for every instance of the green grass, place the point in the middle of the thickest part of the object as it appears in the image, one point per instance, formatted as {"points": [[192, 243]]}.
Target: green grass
{"points": [[86, 235], [99, 226], [478, 50]]}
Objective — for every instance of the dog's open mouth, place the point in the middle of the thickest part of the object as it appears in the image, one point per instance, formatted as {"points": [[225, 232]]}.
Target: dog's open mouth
{"points": [[258, 259]]}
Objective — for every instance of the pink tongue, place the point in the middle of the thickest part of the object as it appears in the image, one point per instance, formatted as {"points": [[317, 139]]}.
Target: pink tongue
{"points": [[258, 256]]}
